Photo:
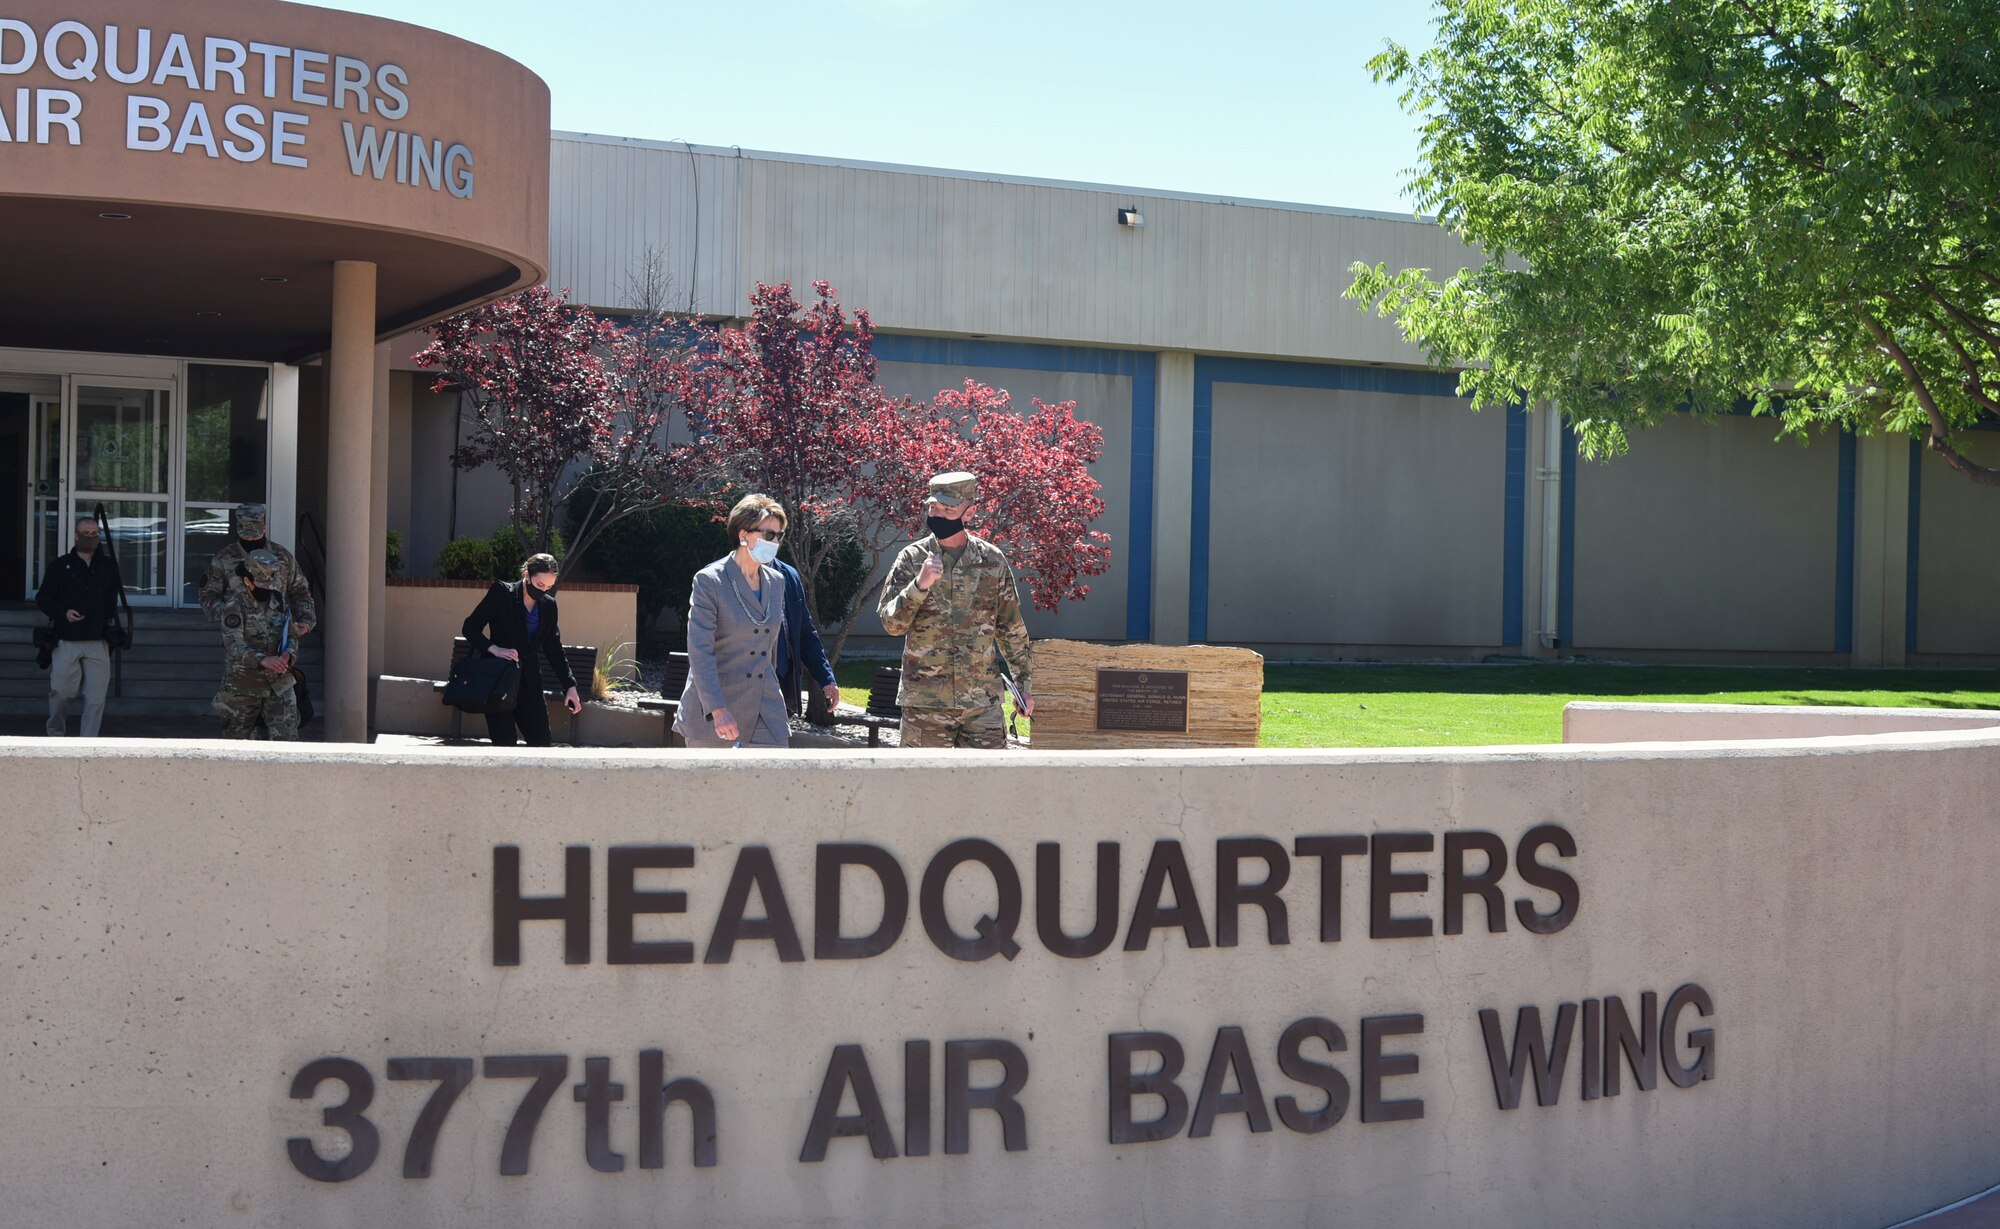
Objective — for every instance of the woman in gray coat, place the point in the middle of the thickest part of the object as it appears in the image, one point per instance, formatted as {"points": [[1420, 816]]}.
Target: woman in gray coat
{"points": [[736, 617]]}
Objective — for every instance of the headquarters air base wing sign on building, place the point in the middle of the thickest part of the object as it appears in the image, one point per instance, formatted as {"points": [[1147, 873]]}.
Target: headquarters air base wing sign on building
{"points": [[238, 98], [325, 986]]}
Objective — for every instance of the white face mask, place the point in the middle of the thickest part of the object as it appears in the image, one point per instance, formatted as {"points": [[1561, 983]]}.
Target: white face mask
{"points": [[763, 550]]}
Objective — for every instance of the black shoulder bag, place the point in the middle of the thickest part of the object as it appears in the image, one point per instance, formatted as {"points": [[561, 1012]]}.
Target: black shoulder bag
{"points": [[482, 683], [45, 639]]}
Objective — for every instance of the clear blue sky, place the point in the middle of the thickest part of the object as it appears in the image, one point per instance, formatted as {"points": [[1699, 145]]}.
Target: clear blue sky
{"points": [[1250, 98]]}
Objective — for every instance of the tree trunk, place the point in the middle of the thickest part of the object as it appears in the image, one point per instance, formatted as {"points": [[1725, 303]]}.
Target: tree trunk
{"points": [[818, 711], [847, 622], [1938, 439]]}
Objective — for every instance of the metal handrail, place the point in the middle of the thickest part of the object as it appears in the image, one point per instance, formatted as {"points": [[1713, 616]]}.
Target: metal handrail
{"points": [[312, 557], [111, 547]]}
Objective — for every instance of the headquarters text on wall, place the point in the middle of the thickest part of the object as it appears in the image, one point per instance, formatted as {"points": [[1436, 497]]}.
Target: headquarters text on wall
{"points": [[1299, 1074], [254, 101]]}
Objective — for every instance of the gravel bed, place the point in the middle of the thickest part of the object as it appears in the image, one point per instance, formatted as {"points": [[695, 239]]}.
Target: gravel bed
{"points": [[653, 671]]}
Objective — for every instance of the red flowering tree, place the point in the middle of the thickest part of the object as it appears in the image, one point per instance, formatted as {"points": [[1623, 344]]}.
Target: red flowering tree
{"points": [[561, 398], [1037, 499], [788, 406]]}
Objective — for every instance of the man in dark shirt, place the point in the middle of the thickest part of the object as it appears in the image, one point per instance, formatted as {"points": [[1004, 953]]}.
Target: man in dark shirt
{"points": [[80, 595], [800, 654]]}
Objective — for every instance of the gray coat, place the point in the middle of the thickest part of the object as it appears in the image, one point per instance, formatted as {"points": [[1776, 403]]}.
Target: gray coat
{"points": [[732, 659]]}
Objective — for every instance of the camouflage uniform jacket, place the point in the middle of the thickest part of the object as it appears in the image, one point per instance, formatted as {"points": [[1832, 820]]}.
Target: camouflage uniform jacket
{"points": [[220, 582], [955, 635], [251, 631]]}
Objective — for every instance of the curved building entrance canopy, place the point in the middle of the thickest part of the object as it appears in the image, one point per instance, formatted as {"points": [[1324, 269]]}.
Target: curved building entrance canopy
{"points": [[183, 179], [206, 283]]}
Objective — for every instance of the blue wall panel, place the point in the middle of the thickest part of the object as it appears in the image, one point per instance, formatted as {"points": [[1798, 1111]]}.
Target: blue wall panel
{"points": [[1208, 372]]}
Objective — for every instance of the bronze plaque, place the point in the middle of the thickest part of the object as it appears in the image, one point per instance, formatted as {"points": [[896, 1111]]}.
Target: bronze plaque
{"points": [[1142, 700]]}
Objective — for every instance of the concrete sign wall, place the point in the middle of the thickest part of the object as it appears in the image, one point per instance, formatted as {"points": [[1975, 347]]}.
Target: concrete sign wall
{"points": [[1749, 985]]}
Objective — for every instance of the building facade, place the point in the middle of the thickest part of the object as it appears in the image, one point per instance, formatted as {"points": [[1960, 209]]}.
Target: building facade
{"points": [[226, 224], [1252, 416]]}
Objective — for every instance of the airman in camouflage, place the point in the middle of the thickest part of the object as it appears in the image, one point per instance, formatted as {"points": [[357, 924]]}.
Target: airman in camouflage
{"points": [[221, 580], [257, 654], [951, 596]]}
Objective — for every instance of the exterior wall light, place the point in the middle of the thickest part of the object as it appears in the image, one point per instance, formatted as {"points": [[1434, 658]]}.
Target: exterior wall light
{"points": [[1131, 217]]}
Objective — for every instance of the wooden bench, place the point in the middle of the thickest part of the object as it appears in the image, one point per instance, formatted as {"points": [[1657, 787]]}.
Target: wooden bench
{"points": [[672, 684], [582, 663], [882, 711]]}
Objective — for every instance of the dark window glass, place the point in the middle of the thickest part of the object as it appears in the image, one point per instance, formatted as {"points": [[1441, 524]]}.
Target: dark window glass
{"points": [[228, 428]]}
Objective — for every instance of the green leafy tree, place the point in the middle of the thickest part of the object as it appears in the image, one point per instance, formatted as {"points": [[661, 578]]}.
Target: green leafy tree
{"points": [[1693, 204]]}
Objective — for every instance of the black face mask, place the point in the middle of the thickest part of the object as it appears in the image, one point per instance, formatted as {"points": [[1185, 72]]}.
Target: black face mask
{"points": [[943, 526], [250, 544]]}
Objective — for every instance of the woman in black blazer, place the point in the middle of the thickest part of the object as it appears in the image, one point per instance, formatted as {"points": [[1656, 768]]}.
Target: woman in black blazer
{"points": [[511, 622]]}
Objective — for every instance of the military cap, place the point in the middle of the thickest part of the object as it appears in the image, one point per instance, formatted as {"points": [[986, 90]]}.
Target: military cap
{"points": [[953, 489], [265, 568], [251, 520]]}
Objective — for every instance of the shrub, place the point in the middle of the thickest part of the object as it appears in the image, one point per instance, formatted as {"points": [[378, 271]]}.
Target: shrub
{"points": [[659, 551], [508, 553], [395, 556], [465, 559]]}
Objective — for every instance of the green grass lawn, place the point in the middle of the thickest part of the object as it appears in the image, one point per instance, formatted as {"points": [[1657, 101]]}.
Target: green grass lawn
{"points": [[1471, 705]]}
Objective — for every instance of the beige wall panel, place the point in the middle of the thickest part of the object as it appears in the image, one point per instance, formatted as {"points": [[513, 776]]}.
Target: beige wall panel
{"points": [[1591, 721], [484, 495], [476, 501], [1173, 497], [431, 420], [1354, 518], [944, 252], [312, 445], [401, 421], [1956, 534], [171, 964], [424, 618], [1103, 399], [612, 201], [1708, 536]]}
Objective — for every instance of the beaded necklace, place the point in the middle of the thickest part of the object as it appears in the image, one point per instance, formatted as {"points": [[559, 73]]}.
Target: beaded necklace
{"points": [[735, 588]]}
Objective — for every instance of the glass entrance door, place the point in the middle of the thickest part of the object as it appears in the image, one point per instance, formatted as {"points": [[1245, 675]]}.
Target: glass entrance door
{"points": [[47, 535], [121, 439]]}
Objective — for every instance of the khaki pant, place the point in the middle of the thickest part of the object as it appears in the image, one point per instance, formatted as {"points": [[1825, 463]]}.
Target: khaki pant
{"points": [[78, 665], [983, 727]]}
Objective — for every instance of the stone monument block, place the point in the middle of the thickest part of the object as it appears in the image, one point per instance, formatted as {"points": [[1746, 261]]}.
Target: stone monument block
{"points": [[1093, 696]]}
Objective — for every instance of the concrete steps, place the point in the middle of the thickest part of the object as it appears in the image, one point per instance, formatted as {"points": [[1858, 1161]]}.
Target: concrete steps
{"points": [[171, 671]]}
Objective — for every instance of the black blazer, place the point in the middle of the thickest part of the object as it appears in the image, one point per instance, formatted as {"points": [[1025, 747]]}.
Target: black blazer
{"points": [[500, 619], [89, 588]]}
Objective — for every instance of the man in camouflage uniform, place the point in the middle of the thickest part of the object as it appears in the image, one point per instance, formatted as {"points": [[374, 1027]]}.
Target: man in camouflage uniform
{"points": [[222, 578], [257, 654], [951, 596]]}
